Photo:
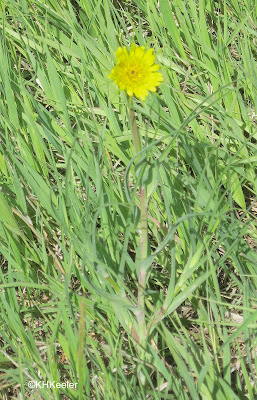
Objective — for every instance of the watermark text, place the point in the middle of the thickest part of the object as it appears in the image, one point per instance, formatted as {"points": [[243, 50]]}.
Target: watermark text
{"points": [[51, 385]]}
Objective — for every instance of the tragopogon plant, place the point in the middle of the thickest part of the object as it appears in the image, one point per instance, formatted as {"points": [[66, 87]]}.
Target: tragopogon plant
{"points": [[136, 72]]}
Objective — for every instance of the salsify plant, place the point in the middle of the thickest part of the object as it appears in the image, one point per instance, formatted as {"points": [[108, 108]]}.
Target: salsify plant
{"points": [[136, 72]]}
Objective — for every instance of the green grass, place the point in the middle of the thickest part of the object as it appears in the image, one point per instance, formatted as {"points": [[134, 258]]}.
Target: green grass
{"points": [[69, 181]]}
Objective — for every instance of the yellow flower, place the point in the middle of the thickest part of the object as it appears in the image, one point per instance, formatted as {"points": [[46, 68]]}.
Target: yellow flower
{"points": [[135, 71]]}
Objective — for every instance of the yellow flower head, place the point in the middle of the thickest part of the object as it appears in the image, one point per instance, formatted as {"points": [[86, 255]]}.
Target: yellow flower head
{"points": [[135, 71]]}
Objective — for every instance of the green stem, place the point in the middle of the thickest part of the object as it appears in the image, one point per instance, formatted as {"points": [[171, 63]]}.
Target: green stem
{"points": [[143, 255], [135, 133], [143, 232]]}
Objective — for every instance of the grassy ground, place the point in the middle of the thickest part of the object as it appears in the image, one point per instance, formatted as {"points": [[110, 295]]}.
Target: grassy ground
{"points": [[69, 230]]}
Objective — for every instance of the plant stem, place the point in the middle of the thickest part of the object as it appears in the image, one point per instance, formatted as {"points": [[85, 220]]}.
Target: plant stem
{"points": [[143, 232], [135, 133], [143, 255]]}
